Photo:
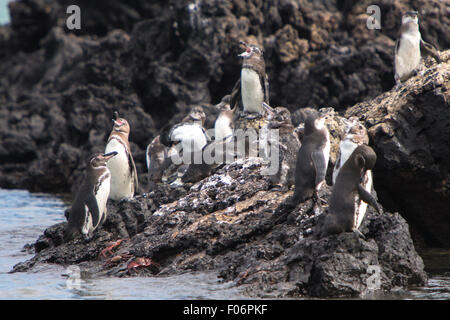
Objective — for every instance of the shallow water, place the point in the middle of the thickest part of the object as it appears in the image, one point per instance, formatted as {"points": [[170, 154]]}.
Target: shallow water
{"points": [[24, 216]]}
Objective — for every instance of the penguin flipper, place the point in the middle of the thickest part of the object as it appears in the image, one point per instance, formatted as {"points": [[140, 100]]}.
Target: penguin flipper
{"points": [[148, 156], [133, 172], [396, 76], [265, 81], [92, 205], [367, 197], [318, 160], [337, 167], [235, 94], [430, 50]]}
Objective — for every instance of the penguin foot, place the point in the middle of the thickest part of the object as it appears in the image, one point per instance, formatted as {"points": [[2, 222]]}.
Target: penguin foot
{"points": [[359, 233], [317, 199], [280, 188], [251, 116], [87, 238], [124, 200]]}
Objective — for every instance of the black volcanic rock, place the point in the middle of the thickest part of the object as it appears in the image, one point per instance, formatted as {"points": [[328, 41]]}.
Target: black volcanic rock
{"points": [[232, 223], [409, 129]]}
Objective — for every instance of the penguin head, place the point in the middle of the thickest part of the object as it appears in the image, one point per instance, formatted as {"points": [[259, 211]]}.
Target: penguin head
{"points": [[251, 50], [365, 157], [120, 124], [410, 17], [310, 123], [98, 160], [280, 115], [156, 141], [196, 115], [224, 104]]}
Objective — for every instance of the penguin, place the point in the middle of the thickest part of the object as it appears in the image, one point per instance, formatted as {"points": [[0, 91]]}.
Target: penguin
{"points": [[355, 134], [124, 178], [252, 88], [215, 149], [190, 132], [348, 194], [408, 46], [192, 138], [224, 124], [312, 159], [89, 207], [157, 160], [196, 115], [288, 145]]}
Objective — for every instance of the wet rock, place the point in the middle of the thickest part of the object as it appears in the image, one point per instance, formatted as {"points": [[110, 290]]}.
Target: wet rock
{"points": [[231, 222]]}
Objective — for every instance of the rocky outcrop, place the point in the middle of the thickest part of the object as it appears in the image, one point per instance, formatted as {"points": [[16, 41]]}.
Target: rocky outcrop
{"points": [[152, 61], [232, 223], [409, 128]]}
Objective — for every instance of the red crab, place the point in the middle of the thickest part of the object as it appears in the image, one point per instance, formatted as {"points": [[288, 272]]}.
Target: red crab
{"points": [[111, 247], [117, 259], [141, 262]]}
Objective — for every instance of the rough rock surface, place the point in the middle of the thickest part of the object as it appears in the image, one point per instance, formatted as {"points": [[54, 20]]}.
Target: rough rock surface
{"points": [[231, 223], [409, 129]]}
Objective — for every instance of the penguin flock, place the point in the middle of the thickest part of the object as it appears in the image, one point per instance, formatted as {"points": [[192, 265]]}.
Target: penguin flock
{"points": [[302, 155]]}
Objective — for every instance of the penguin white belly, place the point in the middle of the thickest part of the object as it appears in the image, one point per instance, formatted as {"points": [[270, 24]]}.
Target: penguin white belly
{"points": [[222, 128], [147, 157], [408, 54], [87, 226], [251, 91], [346, 148], [192, 137], [102, 197], [361, 206], [326, 150], [121, 179], [326, 156]]}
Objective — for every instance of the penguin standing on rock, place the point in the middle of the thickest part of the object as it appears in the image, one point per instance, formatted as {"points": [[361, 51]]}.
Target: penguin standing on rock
{"points": [[124, 179], [312, 159], [252, 88], [347, 195], [192, 137], [190, 132], [157, 160], [215, 151], [355, 135], [224, 124], [408, 46], [89, 207], [288, 145]]}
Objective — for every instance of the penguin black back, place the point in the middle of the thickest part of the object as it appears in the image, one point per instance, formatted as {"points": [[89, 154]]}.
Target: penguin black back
{"points": [[348, 189], [88, 208], [312, 159]]}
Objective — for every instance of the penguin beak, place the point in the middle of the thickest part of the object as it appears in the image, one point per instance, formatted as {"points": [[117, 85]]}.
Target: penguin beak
{"points": [[108, 156], [269, 110], [247, 51], [117, 121]]}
